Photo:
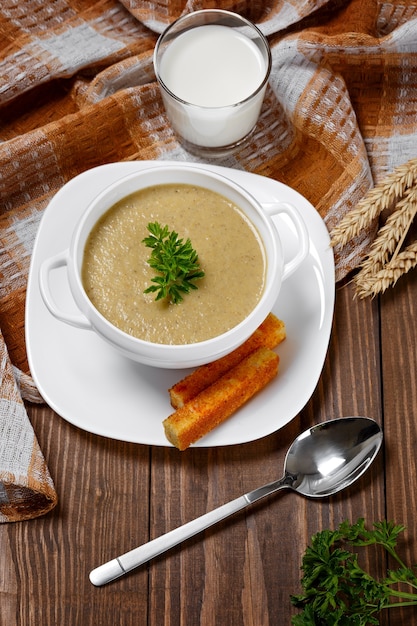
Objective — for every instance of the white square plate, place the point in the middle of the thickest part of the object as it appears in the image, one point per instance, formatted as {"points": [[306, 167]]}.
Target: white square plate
{"points": [[90, 385]]}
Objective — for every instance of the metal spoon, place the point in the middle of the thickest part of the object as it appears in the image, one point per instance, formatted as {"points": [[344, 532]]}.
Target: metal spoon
{"points": [[323, 460]]}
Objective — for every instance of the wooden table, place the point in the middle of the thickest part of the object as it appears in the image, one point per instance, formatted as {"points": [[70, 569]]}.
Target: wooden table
{"points": [[115, 496]]}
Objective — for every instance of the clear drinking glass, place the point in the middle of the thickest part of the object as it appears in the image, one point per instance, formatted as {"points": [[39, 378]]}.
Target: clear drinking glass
{"points": [[212, 67]]}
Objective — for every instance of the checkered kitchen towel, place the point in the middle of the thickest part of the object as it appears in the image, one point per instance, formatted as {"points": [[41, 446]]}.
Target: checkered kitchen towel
{"points": [[77, 90]]}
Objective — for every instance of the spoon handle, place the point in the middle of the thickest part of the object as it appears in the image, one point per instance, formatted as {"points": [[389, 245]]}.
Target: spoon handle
{"points": [[138, 556], [128, 561]]}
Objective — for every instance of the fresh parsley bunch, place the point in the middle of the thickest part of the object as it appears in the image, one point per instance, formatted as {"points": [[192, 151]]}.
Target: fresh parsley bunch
{"points": [[337, 591], [175, 259]]}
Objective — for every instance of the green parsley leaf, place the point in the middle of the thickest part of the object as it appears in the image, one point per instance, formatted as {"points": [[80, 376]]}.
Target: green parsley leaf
{"points": [[337, 591], [175, 260]]}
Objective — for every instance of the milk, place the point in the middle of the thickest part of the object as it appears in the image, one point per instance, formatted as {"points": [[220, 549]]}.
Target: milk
{"points": [[212, 66], [213, 71]]}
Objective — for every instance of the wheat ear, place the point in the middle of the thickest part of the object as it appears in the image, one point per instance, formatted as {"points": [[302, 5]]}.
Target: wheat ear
{"points": [[388, 276], [391, 236], [376, 200]]}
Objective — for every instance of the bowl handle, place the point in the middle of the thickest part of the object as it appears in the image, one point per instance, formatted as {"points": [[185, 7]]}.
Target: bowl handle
{"points": [[300, 228], [55, 262]]}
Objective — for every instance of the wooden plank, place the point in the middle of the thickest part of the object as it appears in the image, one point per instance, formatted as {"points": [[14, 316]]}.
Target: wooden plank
{"points": [[102, 511], [399, 366]]}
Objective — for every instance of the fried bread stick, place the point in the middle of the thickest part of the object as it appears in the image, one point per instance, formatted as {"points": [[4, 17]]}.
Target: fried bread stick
{"points": [[269, 334], [217, 402]]}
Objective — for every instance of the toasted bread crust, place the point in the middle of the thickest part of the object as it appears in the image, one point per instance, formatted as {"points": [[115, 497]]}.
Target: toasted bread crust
{"points": [[217, 402], [269, 334]]}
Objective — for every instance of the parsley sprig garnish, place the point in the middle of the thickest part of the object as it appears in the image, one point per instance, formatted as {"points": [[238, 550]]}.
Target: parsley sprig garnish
{"points": [[337, 591], [175, 260]]}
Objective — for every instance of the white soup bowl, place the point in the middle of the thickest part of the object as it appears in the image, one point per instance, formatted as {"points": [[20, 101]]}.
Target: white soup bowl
{"points": [[169, 355]]}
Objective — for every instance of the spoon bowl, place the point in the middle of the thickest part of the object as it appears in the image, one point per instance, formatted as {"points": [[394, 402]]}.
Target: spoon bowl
{"points": [[320, 462], [331, 456]]}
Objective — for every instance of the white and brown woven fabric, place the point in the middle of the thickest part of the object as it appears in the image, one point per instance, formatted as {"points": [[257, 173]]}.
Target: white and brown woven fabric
{"points": [[77, 90]]}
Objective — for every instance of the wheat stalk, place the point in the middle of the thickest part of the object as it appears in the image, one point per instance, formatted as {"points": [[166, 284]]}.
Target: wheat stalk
{"points": [[391, 236], [377, 199], [388, 276]]}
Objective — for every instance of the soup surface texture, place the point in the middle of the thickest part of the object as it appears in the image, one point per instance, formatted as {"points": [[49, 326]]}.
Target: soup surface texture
{"points": [[116, 272]]}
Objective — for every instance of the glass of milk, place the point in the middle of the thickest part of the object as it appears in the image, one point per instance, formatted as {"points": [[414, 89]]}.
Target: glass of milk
{"points": [[212, 67]]}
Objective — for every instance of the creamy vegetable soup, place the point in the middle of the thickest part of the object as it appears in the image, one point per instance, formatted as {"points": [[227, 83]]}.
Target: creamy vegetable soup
{"points": [[116, 272]]}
